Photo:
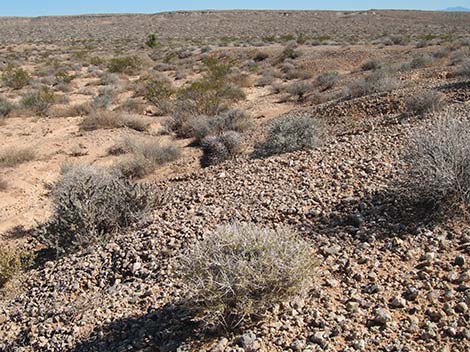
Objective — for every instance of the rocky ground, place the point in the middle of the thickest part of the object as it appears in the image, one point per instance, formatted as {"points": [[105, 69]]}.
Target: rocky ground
{"points": [[393, 272], [391, 276]]}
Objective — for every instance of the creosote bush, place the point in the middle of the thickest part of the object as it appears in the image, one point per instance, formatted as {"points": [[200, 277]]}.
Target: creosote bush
{"points": [[440, 159], [15, 78], [240, 271], [89, 205], [217, 149], [289, 134], [424, 102]]}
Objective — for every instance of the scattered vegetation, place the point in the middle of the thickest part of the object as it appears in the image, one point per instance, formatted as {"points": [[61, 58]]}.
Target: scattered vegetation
{"points": [[327, 80], [464, 69], [152, 41], [125, 64], [90, 204], [38, 101], [376, 82], [239, 272], [5, 107], [289, 134], [12, 262]]}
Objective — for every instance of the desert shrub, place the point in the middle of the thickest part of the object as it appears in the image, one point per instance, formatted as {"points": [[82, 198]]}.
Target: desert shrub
{"points": [[5, 107], [133, 106], [15, 78], [375, 82], [464, 69], [124, 64], [102, 119], [372, 65], [152, 41], [290, 51], [217, 149], [426, 101], [241, 271], [261, 56], [299, 90], [231, 120], [327, 80], [441, 53], [12, 156], [105, 97], [421, 61], [440, 159], [159, 93], [63, 77], [39, 100], [12, 262], [289, 134], [90, 204]]}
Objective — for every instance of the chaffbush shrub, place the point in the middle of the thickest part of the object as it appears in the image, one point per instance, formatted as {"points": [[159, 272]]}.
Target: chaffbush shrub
{"points": [[440, 159], [327, 80], [299, 90], [289, 134], [424, 102], [217, 149], [89, 205], [15, 78], [241, 271]]}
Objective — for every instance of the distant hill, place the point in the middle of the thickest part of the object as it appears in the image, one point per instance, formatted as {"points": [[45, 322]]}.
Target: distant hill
{"points": [[457, 9]]}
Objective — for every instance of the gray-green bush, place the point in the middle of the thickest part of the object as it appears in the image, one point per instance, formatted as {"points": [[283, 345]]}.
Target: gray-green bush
{"points": [[217, 149], [241, 271]]}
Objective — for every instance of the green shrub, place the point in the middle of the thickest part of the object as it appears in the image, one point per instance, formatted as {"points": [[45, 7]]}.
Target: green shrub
{"points": [[439, 159], [125, 64], [160, 94], [426, 101], [217, 149], [38, 101], [239, 272], [12, 156], [289, 134], [15, 78], [89, 205], [152, 41]]}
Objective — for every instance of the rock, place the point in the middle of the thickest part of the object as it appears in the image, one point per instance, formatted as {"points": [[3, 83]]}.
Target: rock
{"points": [[398, 302], [319, 339], [247, 341], [135, 267], [221, 345], [459, 260], [382, 316], [461, 307], [298, 345]]}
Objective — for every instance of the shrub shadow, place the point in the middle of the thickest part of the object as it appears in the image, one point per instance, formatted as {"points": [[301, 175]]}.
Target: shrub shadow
{"points": [[164, 329]]}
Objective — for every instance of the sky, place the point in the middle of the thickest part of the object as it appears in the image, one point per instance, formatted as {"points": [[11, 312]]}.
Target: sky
{"points": [[70, 7]]}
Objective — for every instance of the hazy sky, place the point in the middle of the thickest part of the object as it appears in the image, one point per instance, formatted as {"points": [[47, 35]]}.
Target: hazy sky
{"points": [[62, 7]]}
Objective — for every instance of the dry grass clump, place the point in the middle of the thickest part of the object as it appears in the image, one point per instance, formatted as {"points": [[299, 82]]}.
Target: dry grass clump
{"points": [[12, 262], [440, 159], [143, 156], [5, 107], [289, 134], [15, 78], [464, 69], [239, 272], [327, 80], [424, 102], [13, 156], [90, 204], [299, 90], [376, 82], [103, 119], [217, 149]]}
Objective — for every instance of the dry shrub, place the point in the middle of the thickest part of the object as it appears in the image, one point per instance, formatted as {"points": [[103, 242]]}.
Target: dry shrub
{"points": [[289, 134], [125, 64], [299, 90], [440, 159], [12, 262], [424, 102], [327, 80], [89, 205], [5, 107], [13, 156], [376, 82], [464, 69], [143, 156], [15, 78], [372, 65], [217, 149], [239, 272], [39, 100], [102, 119]]}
